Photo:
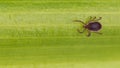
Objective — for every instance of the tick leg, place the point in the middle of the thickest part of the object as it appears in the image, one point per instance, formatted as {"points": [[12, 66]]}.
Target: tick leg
{"points": [[80, 31], [89, 34], [98, 19], [91, 19], [88, 19], [79, 21]]}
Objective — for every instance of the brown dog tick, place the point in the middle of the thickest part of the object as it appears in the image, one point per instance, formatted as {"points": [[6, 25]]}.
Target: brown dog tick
{"points": [[92, 25]]}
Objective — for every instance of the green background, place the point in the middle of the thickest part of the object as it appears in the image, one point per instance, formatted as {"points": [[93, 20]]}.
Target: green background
{"points": [[42, 34]]}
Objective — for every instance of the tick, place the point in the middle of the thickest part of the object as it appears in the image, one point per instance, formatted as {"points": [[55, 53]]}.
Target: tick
{"points": [[92, 25]]}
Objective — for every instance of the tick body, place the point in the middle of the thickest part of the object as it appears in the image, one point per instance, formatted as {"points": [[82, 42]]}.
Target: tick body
{"points": [[92, 25]]}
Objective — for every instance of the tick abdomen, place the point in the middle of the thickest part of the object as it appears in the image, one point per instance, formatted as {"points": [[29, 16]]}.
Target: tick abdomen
{"points": [[93, 26]]}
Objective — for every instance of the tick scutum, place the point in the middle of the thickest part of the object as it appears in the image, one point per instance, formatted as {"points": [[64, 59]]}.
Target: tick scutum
{"points": [[93, 26]]}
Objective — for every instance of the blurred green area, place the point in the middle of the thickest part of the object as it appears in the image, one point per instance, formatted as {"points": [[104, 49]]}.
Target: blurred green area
{"points": [[43, 34], [60, 6]]}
